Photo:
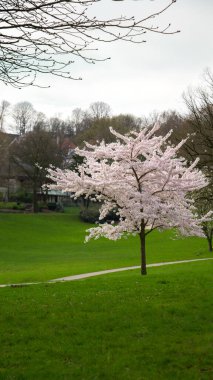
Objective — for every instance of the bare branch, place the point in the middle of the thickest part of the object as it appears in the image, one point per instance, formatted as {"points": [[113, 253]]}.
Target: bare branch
{"points": [[38, 36]]}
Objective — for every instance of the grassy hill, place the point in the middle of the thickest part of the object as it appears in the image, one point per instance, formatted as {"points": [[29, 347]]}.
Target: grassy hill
{"points": [[120, 326], [47, 246]]}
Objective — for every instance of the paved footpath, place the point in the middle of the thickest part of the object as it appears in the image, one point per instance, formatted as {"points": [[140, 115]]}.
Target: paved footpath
{"points": [[93, 274]]}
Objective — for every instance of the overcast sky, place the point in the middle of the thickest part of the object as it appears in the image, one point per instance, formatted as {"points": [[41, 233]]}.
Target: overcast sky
{"points": [[139, 78]]}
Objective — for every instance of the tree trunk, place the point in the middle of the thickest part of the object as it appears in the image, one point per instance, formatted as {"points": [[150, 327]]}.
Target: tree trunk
{"points": [[143, 250], [208, 231], [209, 238]]}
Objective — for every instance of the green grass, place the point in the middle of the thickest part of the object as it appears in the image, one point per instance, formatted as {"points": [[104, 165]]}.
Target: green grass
{"points": [[47, 246], [120, 326]]}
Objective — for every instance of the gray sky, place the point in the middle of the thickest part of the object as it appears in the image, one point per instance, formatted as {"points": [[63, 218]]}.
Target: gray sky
{"points": [[139, 78]]}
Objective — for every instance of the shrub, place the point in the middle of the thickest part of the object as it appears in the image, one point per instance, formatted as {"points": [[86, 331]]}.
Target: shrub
{"points": [[52, 206], [7, 205], [21, 196], [12, 206], [19, 206], [91, 215]]}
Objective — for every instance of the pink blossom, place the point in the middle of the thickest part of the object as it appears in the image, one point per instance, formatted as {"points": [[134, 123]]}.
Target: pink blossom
{"points": [[141, 177]]}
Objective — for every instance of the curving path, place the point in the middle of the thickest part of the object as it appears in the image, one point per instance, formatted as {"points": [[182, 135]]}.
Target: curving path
{"points": [[93, 274]]}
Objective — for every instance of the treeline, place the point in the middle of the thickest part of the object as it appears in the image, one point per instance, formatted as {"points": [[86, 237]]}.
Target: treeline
{"points": [[94, 122], [39, 142]]}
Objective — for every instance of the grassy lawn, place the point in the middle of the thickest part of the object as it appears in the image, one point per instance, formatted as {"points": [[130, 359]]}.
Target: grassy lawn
{"points": [[47, 246], [120, 326]]}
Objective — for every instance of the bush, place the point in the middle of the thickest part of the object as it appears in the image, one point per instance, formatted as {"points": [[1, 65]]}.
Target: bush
{"points": [[91, 215], [7, 205], [21, 196], [19, 206], [12, 206]]}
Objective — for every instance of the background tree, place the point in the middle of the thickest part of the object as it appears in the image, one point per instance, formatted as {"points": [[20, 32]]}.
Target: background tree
{"points": [[93, 125], [125, 123], [4, 163], [78, 116], [197, 128], [33, 153], [172, 120], [40, 36], [150, 120], [4, 111], [24, 116], [200, 143], [200, 122], [204, 203], [61, 128], [99, 110], [141, 178], [98, 129]]}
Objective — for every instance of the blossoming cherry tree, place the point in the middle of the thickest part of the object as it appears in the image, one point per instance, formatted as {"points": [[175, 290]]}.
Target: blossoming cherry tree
{"points": [[141, 178]]}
